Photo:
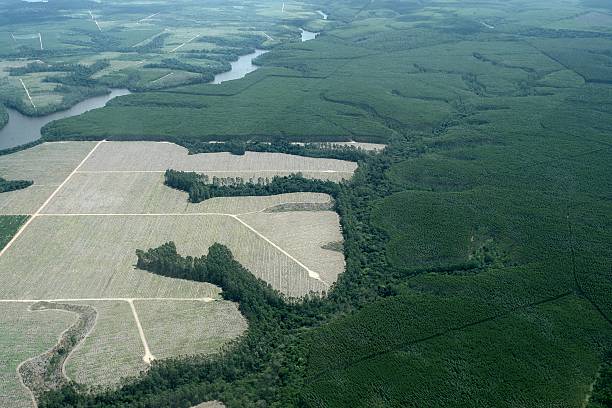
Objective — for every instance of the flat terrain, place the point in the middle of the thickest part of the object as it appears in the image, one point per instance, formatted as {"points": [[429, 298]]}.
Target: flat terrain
{"points": [[148, 156], [24, 334], [85, 48], [79, 246]]}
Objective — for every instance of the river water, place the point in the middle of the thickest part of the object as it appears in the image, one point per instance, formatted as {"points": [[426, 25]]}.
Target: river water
{"points": [[240, 68], [22, 129], [308, 35]]}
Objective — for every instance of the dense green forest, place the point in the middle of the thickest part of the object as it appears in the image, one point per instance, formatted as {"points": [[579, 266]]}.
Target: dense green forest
{"points": [[200, 189], [477, 244], [12, 185], [9, 225]]}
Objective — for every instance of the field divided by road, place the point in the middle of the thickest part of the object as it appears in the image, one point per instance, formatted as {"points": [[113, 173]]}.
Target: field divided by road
{"points": [[79, 248]]}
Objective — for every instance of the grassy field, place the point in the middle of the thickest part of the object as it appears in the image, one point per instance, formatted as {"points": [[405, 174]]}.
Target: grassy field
{"points": [[107, 193], [316, 229], [78, 263]]}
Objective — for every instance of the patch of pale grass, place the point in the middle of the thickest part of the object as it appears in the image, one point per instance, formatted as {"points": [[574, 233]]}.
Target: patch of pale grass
{"points": [[26, 201], [113, 350], [154, 156], [184, 328], [303, 234], [46, 164], [94, 256], [146, 193]]}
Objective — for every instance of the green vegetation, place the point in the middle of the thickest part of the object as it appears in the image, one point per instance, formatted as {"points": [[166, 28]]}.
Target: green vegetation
{"points": [[602, 389], [3, 116], [200, 188], [477, 244], [9, 225], [12, 185], [128, 45]]}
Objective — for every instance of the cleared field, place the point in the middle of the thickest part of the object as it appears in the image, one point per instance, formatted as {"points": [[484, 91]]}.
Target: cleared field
{"points": [[303, 234], [189, 327], [113, 349], [47, 165], [152, 156], [96, 193], [94, 256], [80, 247], [25, 334], [25, 201]]}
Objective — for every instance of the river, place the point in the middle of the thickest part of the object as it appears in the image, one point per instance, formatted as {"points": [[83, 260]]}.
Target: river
{"points": [[240, 68], [308, 35], [22, 129]]}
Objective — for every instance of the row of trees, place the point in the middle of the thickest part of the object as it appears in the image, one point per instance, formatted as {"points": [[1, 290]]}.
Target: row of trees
{"points": [[317, 150], [208, 72], [200, 189], [12, 185]]}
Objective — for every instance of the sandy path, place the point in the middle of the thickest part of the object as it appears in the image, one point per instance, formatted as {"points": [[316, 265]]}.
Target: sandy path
{"points": [[148, 17], [185, 43], [148, 357], [27, 92]]}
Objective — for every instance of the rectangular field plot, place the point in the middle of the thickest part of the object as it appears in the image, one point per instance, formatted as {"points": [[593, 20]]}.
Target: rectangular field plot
{"points": [[26, 201], [95, 193], [47, 165], [94, 256], [113, 350], [25, 334], [175, 328], [304, 234], [151, 156]]}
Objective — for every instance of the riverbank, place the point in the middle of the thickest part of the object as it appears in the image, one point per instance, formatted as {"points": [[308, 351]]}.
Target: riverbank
{"points": [[22, 129]]}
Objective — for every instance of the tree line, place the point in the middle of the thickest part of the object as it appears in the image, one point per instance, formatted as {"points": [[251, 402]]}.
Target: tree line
{"points": [[317, 150], [12, 185], [200, 189]]}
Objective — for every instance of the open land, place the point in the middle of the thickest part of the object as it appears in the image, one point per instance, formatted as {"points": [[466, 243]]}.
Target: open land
{"points": [[109, 198], [477, 244]]}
